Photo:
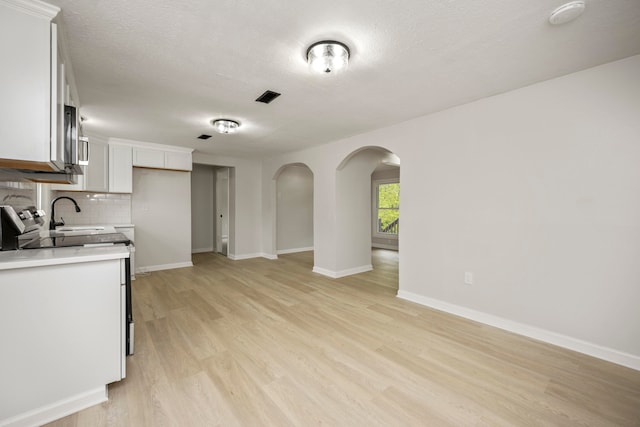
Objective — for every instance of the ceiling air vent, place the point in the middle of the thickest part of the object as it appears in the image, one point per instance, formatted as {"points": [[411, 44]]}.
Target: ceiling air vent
{"points": [[268, 96], [204, 136]]}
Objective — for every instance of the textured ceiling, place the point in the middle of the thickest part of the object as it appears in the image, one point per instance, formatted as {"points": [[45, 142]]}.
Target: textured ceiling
{"points": [[160, 70]]}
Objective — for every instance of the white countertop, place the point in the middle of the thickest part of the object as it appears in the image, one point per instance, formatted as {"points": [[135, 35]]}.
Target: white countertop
{"points": [[27, 258], [100, 225]]}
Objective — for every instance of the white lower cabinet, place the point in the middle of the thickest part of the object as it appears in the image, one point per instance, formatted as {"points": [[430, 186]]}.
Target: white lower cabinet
{"points": [[61, 337]]}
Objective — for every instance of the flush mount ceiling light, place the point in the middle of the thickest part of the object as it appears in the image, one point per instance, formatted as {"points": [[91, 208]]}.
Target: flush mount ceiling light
{"points": [[328, 56], [567, 12], [225, 125]]}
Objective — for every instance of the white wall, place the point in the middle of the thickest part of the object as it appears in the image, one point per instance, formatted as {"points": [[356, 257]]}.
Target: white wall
{"points": [[353, 213], [294, 209], [245, 207], [202, 208], [535, 191], [161, 211], [324, 205]]}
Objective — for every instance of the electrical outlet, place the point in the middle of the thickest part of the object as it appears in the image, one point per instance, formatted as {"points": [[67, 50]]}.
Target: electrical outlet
{"points": [[468, 278]]}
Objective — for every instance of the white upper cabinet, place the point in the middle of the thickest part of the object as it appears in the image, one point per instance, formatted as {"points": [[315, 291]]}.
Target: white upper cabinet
{"points": [[178, 161], [95, 176], [97, 172], [158, 157], [120, 168], [29, 78], [148, 158]]}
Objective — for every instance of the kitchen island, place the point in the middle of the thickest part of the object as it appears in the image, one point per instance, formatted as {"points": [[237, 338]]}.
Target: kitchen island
{"points": [[62, 329]]}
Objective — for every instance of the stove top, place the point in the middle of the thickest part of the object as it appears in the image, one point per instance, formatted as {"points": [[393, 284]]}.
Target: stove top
{"points": [[82, 240]]}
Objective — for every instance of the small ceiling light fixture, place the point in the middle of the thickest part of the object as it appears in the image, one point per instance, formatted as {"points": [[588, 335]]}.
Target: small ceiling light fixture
{"points": [[225, 125], [328, 56], [567, 12]]}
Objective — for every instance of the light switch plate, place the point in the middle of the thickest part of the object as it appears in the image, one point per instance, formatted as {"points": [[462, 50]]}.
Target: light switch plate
{"points": [[468, 278]]}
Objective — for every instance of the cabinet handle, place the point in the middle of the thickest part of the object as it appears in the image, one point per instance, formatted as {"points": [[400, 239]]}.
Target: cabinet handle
{"points": [[83, 150]]}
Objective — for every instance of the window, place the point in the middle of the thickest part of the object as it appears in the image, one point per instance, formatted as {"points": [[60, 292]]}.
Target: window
{"points": [[387, 208]]}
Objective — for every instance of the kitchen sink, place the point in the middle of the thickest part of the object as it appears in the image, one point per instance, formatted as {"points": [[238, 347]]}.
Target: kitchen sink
{"points": [[79, 228]]}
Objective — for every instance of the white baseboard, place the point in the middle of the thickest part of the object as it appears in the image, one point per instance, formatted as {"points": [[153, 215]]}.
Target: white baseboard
{"points": [[590, 349], [342, 273], [201, 250], [355, 270], [384, 246], [58, 409], [149, 268], [324, 271], [294, 250], [235, 257]]}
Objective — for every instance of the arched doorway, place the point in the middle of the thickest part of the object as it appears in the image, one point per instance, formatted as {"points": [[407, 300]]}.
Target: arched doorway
{"points": [[294, 209], [363, 219]]}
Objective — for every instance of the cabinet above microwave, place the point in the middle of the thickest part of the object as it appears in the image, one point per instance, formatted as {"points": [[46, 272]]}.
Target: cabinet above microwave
{"points": [[39, 133]]}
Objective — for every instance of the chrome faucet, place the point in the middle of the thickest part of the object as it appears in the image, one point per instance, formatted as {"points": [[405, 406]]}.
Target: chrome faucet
{"points": [[53, 224]]}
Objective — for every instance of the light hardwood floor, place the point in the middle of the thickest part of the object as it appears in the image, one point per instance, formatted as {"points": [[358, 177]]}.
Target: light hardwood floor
{"points": [[268, 343]]}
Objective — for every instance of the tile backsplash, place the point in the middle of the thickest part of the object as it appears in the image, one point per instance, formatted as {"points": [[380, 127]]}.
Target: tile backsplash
{"points": [[17, 194], [97, 208]]}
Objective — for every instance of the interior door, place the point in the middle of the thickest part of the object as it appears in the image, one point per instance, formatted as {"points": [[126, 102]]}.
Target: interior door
{"points": [[222, 210]]}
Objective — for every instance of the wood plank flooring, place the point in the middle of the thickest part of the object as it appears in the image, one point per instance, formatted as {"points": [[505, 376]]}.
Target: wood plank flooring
{"points": [[268, 343]]}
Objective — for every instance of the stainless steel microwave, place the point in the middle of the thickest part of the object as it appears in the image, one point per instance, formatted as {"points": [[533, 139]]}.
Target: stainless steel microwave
{"points": [[67, 158], [76, 148]]}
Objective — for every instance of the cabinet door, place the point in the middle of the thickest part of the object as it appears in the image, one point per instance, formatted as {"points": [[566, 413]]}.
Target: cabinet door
{"points": [[97, 173], [59, 95], [178, 161], [25, 80], [148, 158], [64, 337], [95, 176], [120, 168]]}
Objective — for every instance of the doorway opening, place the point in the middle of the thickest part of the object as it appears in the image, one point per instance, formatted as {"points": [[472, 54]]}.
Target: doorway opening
{"points": [[211, 215], [294, 209], [222, 211], [385, 209], [368, 211]]}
